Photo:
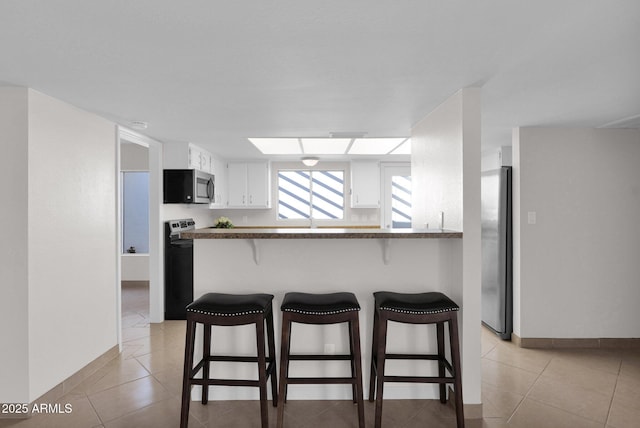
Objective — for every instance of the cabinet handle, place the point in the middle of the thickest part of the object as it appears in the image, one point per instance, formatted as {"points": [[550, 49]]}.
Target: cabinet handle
{"points": [[250, 199]]}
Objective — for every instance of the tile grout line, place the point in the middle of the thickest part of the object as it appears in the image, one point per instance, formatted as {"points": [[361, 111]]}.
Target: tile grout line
{"points": [[528, 391], [95, 410], [565, 410], [615, 387]]}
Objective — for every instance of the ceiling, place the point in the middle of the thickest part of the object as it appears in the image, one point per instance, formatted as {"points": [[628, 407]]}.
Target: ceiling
{"points": [[217, 72]]}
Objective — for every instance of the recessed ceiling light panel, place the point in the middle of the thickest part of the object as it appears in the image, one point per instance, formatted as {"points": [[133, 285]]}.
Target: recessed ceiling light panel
{"points": [[403, 149], [325, 146], [277, 146], [374, 146]]}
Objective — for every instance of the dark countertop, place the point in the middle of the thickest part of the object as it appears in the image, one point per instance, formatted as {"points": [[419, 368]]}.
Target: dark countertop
{"points": [[320, 233]]}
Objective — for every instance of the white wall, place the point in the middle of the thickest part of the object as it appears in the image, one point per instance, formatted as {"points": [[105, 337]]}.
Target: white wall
{"points": [[135, 267], [576, 271], [61, 284], [14, 368], [133, 157], [72, 240], [445, 166]]}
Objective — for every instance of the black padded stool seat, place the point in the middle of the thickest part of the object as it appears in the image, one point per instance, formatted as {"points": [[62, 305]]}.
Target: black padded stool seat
{"points": [[228, 305], [320, 304], [420, 303], [332, 308], [419, 308], [229, 310]]}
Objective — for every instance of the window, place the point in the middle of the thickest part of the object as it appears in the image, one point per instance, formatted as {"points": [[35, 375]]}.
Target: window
{"points": [[135, 212], [401, 201], [317, 195]]}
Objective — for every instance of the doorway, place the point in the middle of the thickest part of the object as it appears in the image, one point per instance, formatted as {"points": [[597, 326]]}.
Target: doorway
{"points": [[396, 194], [150, 300], [134, 203]]}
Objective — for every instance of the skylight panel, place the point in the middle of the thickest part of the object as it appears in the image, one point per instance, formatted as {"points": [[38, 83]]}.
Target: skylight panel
{"points": [[277, 146], [325, 146], [374, 146], [403, 149]]}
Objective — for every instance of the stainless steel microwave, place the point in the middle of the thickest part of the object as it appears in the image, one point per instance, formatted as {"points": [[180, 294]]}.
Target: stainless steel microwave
{"points": [[188, 186]]}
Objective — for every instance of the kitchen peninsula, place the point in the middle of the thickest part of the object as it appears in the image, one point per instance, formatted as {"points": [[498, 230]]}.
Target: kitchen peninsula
{"points": [[323, 260]]}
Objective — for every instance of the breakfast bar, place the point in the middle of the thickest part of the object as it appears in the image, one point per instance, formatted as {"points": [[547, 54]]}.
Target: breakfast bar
{"points": [[326, 260]]}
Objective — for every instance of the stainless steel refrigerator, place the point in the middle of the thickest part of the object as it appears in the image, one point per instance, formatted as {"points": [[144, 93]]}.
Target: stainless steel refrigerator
{"points": [[497, 252]]}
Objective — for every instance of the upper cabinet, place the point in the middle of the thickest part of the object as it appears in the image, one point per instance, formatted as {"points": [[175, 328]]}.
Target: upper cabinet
{"points": [[365, 184], [248, 185], [188, 156], [219, 167]]}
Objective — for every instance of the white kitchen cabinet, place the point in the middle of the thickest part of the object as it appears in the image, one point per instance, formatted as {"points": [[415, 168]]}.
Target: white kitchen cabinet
{"points": [[194, 157], [186, 156], [496, 158], [219, 170], [365, 184], [249, 185]]}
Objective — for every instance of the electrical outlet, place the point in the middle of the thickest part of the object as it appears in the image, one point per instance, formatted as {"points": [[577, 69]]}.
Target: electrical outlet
{"points": [[531, 217], [329, 349]]}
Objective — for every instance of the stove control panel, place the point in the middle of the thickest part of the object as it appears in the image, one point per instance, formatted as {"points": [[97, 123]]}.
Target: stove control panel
{"points": [[182, 225]]}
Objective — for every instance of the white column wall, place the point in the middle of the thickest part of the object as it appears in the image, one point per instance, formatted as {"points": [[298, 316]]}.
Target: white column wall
{"points": [[14, 367], [576, 269], [445, 168], [72, 240]]}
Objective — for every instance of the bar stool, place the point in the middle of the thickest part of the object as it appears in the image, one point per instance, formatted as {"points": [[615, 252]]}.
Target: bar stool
{"points": [[229, 310], [331, 308], [421, 308]]}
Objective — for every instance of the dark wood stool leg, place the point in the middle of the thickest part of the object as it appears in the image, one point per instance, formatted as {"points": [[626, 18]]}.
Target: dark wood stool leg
{"points": [[186, 377], [356, 362], [272, 356], [285, 347], [262, 373], [354, 392], [441, 358], [374, 350], [381, 354], [286, 385], [206, 353], [455, 357]]}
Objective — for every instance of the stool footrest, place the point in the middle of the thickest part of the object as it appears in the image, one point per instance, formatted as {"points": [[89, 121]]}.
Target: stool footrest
{"points": [[228, 382], [237, 359], [411, 357], [318, 357], [444, 361], [418, 379], [320, 380], [270, 364]]}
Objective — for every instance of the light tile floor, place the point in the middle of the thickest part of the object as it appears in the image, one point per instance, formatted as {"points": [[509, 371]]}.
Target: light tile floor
{"points": [[521, 388]]}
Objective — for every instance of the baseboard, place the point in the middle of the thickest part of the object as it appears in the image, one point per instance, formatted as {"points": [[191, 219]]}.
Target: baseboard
{"points": [[134, 283], [584, 343], [71, 382], [471, 411]]}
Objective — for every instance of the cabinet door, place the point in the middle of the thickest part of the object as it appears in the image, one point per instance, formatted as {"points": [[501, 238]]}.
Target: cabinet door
{"points": [[258, 188], [194, 158], [236, 185], [205, 161], [219, 170], [365, 185]]}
